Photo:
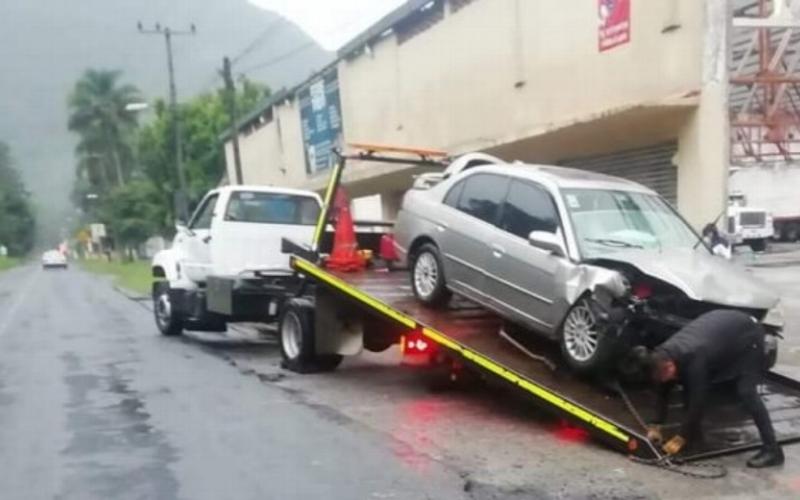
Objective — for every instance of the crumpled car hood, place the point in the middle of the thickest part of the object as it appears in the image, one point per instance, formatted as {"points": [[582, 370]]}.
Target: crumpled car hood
{"points": [[701, 276]]}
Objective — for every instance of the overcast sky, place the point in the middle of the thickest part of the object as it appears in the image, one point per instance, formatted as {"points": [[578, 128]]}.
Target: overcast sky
{"points": [[331, 22]]}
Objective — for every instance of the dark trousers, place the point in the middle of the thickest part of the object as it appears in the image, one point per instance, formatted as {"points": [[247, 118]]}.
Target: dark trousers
{"points": [[746, 387]]}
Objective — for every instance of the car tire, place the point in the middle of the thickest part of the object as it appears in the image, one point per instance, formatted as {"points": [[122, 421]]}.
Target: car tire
{"points": [[584, 345], [427, 277], [168, 321], [297, 340]]}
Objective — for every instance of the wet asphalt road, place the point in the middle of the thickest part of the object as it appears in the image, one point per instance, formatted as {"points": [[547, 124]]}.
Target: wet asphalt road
{"points": [[95, 404]]}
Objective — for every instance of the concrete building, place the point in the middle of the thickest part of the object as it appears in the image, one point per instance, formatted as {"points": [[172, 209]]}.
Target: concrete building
{"points": [[636, 88]]}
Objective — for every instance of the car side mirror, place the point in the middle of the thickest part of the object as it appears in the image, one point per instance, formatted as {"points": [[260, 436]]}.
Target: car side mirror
{"points": [[548, 242], [182, 228]]}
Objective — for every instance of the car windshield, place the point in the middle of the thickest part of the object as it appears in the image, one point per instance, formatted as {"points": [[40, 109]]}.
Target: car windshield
{"points": [[607, 221], [272, 208]]}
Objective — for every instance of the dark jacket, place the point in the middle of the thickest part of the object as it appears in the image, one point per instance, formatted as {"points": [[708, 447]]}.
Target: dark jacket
{"points": [[715, 347]]}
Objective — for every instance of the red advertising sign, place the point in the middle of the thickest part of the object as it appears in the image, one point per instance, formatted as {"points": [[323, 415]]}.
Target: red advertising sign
{"points": [[615, 23]]}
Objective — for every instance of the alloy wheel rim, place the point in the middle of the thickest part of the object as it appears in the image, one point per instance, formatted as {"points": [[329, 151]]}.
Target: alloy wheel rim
{"points": [[580, 333], [426, 274]]}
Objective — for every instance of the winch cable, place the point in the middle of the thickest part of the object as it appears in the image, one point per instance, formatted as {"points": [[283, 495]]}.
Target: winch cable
{"points": [[542, 359], [663, 461]]}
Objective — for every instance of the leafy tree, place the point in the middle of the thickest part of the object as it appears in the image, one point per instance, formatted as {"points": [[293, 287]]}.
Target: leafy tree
{"points": [[204, 119], [133, 212], [17, 221], [99, 116]]}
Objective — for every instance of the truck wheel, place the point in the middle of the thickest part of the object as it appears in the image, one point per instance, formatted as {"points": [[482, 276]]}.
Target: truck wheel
{"points": [[296, 333], [758, 245], [792, 232], [168, 321], [584, 345], [427, 277]]}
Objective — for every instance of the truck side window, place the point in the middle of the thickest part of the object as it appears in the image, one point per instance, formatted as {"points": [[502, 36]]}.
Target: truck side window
{"points": [[202, 218], [482, 195], [528, 208]]}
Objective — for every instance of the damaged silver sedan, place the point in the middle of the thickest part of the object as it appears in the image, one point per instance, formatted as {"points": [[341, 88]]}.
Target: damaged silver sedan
{"points": [[596, 263]]}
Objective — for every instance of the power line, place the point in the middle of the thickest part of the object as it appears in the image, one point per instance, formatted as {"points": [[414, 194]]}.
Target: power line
{"points": [[257, 41], [279, 58]]}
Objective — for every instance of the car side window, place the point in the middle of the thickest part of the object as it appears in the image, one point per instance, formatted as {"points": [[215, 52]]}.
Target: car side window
{"points": [[482, 196], [202, 218], [453, 195], [528, 208]]}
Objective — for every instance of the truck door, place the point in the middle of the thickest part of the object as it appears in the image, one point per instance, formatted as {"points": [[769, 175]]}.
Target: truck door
{"points": [[196, 241]]}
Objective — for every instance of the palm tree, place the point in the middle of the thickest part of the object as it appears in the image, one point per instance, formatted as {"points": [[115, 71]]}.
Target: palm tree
{"points": [[98, 114]]}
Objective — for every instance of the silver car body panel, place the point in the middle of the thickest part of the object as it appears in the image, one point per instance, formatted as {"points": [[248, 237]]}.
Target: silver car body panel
{"points": [[424, 216]]}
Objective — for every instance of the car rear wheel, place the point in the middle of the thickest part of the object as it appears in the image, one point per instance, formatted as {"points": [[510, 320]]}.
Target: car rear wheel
{"points": [[584, 344], [427, 277]]}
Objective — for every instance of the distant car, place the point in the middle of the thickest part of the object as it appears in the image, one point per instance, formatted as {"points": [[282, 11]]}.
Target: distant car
{"points": [[596, 263], [54, 259]]}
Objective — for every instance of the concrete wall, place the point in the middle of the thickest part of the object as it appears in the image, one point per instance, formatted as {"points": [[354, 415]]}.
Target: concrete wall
{"points": [[272, 154], [524, 78]]}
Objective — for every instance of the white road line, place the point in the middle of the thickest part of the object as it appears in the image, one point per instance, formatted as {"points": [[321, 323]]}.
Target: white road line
{"points": [[5, 322]]}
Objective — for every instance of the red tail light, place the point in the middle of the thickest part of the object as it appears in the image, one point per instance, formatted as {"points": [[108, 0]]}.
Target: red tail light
{"points": [[415, 343], [642, 290]]}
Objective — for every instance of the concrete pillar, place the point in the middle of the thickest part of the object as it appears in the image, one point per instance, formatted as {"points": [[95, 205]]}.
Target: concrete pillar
{"points": [[704, 143]]}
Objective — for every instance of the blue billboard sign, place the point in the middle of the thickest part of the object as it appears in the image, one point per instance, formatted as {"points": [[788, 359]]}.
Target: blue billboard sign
{"points": [[321, 119]]}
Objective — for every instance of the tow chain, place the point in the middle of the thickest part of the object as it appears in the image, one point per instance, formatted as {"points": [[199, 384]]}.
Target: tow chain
{"points": [[663, 461]]}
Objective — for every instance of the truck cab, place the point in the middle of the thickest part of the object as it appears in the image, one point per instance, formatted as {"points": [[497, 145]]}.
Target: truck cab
{"points": [[217, 268]]}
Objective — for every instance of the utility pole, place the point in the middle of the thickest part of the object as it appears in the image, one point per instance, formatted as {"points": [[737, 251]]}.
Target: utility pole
{"points": [[181, 201], [230, 91]]}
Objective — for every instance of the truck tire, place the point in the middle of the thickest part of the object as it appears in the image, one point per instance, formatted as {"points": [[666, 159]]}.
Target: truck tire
{"points": [[297, 339], [168, 321], [427, 277], [792, 232], [585, 346], [759, 245]]}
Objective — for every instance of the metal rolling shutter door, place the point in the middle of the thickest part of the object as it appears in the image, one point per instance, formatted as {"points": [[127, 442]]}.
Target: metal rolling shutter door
{"points": [[651, 166]]}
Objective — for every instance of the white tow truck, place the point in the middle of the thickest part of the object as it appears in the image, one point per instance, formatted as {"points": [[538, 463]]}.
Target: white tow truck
{"points": [[226, 265]]}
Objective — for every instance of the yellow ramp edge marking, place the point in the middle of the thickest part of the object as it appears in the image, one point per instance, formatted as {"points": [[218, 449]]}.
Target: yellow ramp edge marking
{"points": [[537, 390], [335, 282]]}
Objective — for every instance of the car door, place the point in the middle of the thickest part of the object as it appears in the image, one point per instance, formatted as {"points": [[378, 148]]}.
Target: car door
{"points": [[467, 221], [196, 242], [520, 277]]}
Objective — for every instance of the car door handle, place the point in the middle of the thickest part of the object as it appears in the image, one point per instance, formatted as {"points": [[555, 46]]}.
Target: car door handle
{"points": [[498, 251], [207, 239]]}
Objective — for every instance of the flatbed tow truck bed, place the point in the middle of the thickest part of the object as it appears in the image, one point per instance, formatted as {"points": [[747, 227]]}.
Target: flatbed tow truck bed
{"points": [[470, 334]]}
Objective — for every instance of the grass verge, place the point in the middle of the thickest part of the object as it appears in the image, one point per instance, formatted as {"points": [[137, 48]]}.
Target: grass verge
{"points": [[8, 263], [133, 276]]}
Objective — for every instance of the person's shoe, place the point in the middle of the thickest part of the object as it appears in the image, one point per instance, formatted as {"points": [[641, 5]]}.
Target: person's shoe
{"points": [[767, 457]]}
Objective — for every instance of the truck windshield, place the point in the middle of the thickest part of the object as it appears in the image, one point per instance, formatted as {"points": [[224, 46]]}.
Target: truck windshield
{"points": [[606, 221], [272, 208]]}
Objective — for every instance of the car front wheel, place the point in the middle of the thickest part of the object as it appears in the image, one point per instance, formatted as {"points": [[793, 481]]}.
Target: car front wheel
{"points": [[427, 277], [584, 343]]}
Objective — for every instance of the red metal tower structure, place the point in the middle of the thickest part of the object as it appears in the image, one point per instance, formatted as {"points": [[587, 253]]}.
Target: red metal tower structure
{"points": [[765, 81]]}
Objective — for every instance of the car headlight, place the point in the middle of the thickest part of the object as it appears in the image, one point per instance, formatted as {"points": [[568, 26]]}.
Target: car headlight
{"points": [[774, 316]]}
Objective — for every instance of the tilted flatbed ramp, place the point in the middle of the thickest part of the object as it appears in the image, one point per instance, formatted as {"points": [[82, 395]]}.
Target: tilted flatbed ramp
{"points": [[471, 334]]}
